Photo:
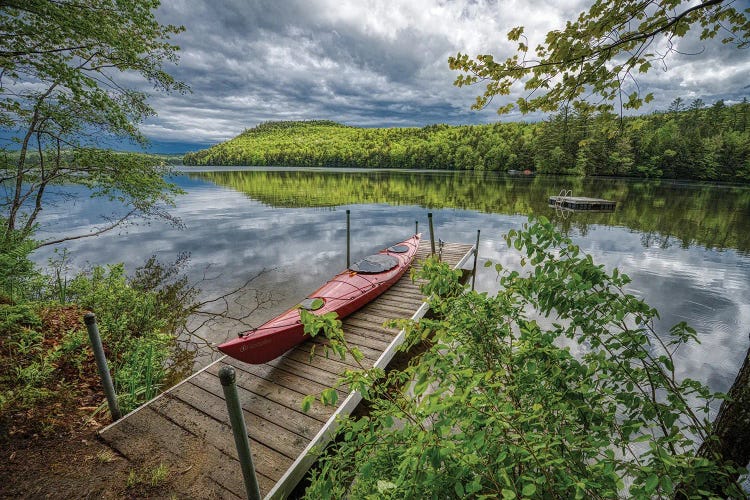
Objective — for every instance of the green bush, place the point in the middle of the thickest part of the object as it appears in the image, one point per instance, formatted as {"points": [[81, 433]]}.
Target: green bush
{"points": [[138, 319], [19, 280], [585, 404], [45, 358]]}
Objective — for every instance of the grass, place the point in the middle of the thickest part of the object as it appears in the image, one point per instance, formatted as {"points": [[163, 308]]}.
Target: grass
{"points": [[153, 477], [106, 456]]}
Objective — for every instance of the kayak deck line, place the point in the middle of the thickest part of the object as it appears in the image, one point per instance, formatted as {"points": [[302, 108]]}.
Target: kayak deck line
{"points": [[187, 427]]}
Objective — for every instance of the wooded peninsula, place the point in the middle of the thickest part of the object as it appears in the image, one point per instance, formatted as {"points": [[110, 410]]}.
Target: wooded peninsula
{"points": [[692, 141]]}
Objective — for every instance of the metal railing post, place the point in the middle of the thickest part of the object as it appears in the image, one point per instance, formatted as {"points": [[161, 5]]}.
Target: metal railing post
{"points": [[348, 227], [237, 420], [476, 256], [432, 233], [101, 363]]}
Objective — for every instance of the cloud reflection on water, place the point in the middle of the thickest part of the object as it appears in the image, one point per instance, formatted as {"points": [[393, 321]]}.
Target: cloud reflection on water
{"points": [[231, 236]]}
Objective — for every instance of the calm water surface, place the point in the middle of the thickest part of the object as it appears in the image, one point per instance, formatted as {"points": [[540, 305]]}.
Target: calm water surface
{"points": [[686, 246]]}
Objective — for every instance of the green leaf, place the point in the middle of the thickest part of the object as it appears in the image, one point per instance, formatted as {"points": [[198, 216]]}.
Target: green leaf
{"points": [[307, 402], [529, 489], [459, 489], [384, 486]]}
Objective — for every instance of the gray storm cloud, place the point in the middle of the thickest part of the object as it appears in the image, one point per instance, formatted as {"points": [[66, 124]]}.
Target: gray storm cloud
{"points": [[375, 63]]}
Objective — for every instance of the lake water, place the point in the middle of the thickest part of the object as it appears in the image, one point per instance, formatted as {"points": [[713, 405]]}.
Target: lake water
{"points": [[686, 246]]}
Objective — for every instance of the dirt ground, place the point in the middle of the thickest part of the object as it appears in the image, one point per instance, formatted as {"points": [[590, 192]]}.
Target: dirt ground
{"points": [[65, 465], [76, 464], [52, 450]]}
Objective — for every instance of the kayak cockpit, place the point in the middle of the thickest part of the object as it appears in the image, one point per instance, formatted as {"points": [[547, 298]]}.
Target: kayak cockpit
{"points": [[377, 263]]}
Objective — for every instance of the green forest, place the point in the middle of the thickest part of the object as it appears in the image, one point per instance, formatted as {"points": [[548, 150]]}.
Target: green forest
{"points": [[688, 141]]}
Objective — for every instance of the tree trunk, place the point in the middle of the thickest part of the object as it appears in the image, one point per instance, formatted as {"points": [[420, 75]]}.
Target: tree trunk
{"points": [[730, 439], [732, 424]]}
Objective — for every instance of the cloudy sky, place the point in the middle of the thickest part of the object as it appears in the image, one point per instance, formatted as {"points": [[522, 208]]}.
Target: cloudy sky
{"points": [[372, 63]]}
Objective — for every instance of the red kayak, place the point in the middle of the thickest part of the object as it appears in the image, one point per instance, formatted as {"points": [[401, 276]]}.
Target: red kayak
{"points": [[344, 294]]}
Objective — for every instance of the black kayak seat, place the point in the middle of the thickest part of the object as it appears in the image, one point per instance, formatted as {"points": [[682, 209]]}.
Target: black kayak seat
{"points": [[399, 248], [377, 263]]}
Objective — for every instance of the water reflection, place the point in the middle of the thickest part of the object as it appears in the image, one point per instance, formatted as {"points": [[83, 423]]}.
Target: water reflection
{"points": [[665, 212], [685, 245]]}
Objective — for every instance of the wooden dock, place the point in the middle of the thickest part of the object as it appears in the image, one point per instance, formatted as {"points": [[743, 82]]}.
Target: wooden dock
{"points": [[581, 203], [187, 427]]}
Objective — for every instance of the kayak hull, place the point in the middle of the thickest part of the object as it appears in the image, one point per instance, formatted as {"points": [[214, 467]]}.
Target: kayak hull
{"points": [[344, 294]]}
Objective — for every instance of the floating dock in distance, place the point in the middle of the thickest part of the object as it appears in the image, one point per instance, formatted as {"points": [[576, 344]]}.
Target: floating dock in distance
{"points": [[581, 203], [187, 427]]}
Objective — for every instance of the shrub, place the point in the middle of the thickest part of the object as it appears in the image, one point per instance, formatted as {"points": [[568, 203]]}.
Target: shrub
{"points": [[504, 404], [19, 279], [46, 365]]}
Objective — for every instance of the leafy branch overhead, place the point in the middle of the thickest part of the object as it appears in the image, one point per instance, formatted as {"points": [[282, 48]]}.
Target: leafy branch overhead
{"points": [[597, 57], [72, 75]]}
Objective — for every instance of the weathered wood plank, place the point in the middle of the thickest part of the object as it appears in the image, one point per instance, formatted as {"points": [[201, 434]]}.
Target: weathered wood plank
{"points": [[284, 378], [407, 298], [191, 451], [194, 481], [377, 317], [304, 369], [290, 399], [332, 364], [394, 309], [367, 352], [357, 321], [386, 337], [180, 408], [304, 425], [358, 339]]}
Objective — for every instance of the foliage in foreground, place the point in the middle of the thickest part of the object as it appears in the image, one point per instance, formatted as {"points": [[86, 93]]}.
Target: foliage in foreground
{"points": [[47, 371], [587, 405]]}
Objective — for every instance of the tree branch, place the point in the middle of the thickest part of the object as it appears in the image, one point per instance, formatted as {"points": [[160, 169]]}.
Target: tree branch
{"points": [[88, 235]]}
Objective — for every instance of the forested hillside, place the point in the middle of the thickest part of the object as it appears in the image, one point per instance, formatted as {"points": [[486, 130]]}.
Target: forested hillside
{"points": [[687, 142]]}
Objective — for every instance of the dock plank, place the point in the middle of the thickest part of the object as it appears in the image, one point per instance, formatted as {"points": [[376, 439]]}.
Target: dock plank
{"points": [[282, 377], [279, 394], [187, 427], [212, 421], [186, 447]]}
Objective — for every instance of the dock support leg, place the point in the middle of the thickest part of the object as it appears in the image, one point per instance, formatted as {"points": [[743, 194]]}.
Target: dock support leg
{"points": [[432, 233], [348, 239], [476, 256], [416, 227], [237, 420], [101, 363]]}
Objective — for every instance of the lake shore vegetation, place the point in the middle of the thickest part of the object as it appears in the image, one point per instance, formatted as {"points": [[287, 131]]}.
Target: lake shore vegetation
{"points": [[48, 378], [558, 386], [688, 141]]}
